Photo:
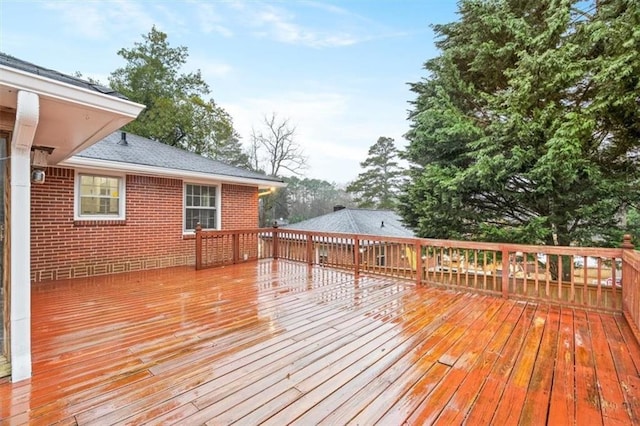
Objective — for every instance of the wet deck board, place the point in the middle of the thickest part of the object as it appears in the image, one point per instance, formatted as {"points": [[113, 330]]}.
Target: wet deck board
{"points": [[277, 342]]}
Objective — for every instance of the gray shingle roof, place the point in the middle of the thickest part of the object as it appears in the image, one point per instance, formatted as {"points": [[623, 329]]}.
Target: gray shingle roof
{"points": [[19, 64], [356, 221], [143, 151]]}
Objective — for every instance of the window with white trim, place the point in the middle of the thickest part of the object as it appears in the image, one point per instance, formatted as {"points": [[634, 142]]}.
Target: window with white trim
{"points": [[200, 206], [99, 196]]}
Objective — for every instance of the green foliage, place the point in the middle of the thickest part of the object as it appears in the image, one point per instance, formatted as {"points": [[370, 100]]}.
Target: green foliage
{"points": [[274, 207], [309, 198], [176, 112], [302, 199], [527, 128], [378, 185]]}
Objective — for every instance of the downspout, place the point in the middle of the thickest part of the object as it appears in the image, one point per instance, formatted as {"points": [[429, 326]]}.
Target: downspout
{"points": [[27, 117]]}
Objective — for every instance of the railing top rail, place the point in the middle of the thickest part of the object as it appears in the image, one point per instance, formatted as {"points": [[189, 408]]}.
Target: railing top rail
{"points": [[527, 248], [213, 232], [453, 244]]}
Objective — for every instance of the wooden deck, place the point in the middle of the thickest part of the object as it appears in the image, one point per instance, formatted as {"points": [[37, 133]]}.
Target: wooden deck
{"points": [[276, 342]]}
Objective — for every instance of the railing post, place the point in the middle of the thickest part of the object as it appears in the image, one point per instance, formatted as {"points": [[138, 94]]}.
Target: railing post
{"points": [[356, 255], [235, 243], [275, 241], [505, 273], [309, 249], [419, 265], [628, 297], [198, 247]]}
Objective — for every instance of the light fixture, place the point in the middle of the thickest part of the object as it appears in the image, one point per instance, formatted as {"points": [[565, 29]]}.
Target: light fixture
{"points": [[267, 192], [37, 176]]}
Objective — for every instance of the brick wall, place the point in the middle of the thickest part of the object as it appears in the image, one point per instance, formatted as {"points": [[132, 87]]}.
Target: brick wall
{"points": [[150, 237]]}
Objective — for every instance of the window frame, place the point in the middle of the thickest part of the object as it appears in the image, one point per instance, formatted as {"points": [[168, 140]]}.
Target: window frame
{"points": [[122, 199], [218, 206]]}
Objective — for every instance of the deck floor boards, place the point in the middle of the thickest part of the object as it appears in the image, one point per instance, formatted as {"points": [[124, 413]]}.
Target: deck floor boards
{"points": [[278, 342]]}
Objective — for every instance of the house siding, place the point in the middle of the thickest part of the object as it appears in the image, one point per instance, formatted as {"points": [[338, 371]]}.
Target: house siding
{"points": [[150, 237]]}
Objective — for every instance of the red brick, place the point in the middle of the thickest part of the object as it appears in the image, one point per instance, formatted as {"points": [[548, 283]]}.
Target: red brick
{"points": [[151, 234]]}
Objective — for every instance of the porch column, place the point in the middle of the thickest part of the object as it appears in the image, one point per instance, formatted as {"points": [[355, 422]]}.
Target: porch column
{"points": [[27, 116]]}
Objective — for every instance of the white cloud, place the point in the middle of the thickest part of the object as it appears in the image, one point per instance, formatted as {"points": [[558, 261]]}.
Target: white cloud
{"points": [[97, 20], [210, 19], [283, 26], [334, 129], [211, 69]]}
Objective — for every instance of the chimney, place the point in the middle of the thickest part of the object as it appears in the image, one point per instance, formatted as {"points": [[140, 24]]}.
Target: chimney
{"points": [[338, 208], [123, 139]]}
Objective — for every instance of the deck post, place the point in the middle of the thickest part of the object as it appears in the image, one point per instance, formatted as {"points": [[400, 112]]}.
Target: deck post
{"points": [[628, 289], [235, 242], [419, 265], [309, 249], [198, 247], [275, 241], [505, 273], [356, 255]]}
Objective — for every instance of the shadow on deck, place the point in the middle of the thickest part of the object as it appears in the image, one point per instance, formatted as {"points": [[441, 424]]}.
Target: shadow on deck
{"points": [[279, 342]]}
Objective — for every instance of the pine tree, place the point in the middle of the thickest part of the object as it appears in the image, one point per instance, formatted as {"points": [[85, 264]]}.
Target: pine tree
{"points": [[378, 185]]}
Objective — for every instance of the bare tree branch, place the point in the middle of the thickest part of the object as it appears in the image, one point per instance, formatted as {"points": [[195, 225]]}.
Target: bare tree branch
{"points": [[278, 141]]}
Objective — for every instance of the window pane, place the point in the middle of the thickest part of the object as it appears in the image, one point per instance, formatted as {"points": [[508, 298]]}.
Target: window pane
{"points": [[99, 195], [88, 205], [206, 218]]}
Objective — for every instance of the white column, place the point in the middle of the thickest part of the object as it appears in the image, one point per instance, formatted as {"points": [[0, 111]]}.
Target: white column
{"points": [[27, 116]]}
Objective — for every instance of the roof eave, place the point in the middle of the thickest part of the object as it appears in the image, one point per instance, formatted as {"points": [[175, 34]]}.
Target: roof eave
{"points": [[141, 169], [44, 86]]}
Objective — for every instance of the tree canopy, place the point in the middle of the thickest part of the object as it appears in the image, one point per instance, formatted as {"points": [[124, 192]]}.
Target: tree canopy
{"points": [[177, 113], [378, 185], [308, 198], [527, 125]]}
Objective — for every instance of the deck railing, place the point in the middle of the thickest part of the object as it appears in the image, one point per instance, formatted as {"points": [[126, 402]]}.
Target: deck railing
{"points": [[631, 285], [598, 278]]}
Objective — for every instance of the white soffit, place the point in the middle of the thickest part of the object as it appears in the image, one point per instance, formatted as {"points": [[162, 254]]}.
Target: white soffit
{"points": [[71, 117]]}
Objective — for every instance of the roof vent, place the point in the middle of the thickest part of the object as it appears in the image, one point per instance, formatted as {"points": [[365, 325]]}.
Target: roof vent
{"points": [[382, 224], [123, 139]]}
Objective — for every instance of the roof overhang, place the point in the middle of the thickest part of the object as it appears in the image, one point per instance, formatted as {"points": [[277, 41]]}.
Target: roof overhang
{"points": [[71, 117], [141, 169]]}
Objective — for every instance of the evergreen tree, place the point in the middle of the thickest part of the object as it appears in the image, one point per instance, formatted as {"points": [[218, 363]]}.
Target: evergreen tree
{"points": [[378, 185], [527, 128]]}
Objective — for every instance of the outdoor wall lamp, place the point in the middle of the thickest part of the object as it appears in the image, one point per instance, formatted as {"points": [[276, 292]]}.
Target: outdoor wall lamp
{"points": [[37, 176]]}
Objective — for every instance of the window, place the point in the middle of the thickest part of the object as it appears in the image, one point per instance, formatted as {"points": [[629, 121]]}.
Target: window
{"points": [[200, 206], [99, 197]]}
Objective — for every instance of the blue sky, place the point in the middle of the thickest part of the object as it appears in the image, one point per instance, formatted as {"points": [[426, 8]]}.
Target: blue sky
{"points": [[337, 69]]}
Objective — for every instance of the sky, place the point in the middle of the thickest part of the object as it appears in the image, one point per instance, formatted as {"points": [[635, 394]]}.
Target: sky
{"points": [[337, 70]]}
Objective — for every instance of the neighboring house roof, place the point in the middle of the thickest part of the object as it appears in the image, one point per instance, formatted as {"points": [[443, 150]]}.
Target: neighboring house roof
{"points": [[356, 221], [139, 151], [19, 64]]}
